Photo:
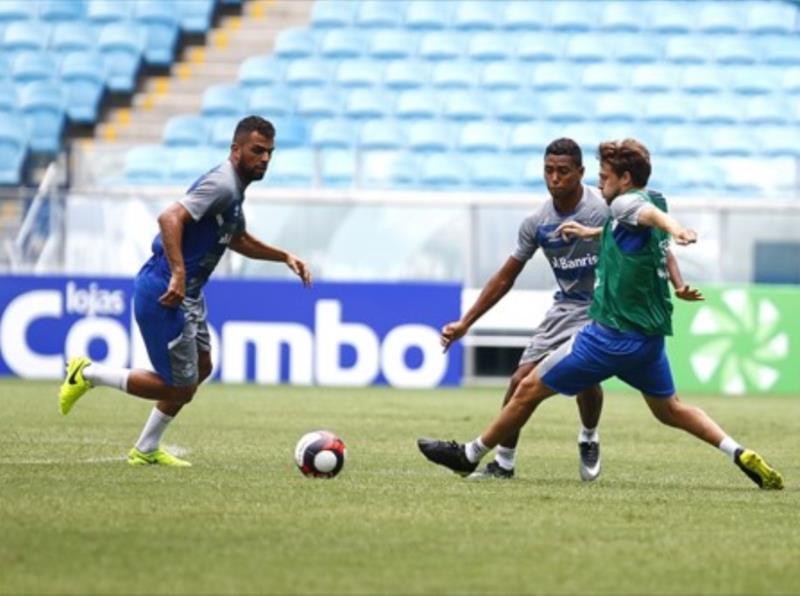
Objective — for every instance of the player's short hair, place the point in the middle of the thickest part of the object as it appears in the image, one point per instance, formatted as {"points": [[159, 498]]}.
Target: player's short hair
{"points": [[253, 124], [565, 146], [628, 155]]}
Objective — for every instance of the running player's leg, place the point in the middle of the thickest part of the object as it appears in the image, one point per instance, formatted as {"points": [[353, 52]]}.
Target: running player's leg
{"points": [[590, 405]]}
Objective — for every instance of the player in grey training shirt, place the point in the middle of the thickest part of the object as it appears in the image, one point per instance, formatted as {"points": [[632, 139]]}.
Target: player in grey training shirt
{"points": [[573, 263]]}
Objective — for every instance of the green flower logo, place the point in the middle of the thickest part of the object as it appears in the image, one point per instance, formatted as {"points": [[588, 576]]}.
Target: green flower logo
{"points": [[742, 344]]}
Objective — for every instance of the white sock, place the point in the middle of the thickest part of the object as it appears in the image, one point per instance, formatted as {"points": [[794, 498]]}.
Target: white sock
{"points": [[153, 429], [107, 376], [729, 446], [588, 435], [504, 456], [475, 450]]}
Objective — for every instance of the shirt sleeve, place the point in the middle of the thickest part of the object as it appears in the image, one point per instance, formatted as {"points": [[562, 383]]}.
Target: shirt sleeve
{"points": [[526, 240], [205, 197], [626, 208]]}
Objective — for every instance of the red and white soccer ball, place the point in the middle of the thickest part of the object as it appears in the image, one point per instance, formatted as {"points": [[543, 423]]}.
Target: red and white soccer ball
{"points": [[320, 454]]}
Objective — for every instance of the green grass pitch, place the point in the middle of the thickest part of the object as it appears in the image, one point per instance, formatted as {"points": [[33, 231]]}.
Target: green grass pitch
{"points": [[668, 514]]}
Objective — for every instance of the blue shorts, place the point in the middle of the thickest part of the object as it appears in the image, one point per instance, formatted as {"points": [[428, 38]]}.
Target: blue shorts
{"points": [[173, 336], [598, 352]]}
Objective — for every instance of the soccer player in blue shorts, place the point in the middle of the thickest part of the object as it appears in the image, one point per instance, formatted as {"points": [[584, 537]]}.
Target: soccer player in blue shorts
{"points": [[631, 313], [169, 305], [573, 263]]}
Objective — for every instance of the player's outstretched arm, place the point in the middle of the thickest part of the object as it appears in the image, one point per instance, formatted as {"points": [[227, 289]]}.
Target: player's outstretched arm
{"points": [[655, 218], [497, 287], [682, 290], [171, 223], [253, 248]]}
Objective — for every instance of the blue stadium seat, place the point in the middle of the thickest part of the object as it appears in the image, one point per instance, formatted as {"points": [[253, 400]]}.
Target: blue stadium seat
{"points": [[575, 16], [669, 17], [778, 141], [761, 110], [720, 18], [58, 11], [428, 14], [533, 137], [261, 71], [195, 16], [83, 84], [588, 135], [654, 78], [25, 36], [291, 167], [480, 15], [121, 45], [692, 175], [341, 43], [290, 132], [443, 171], [781, 50], [463, 106], [72, 37], [791, 80], [416, 104], [454, 75], [702, 79], [390, 169], [631, 48], [552, 76], [185, 130], [338, 168], [482, 137], [766, 18], [316, 103], [295, 43], [540, 47], [587, 47], [734, 49], [666, 109], [13, 150], [104, 12], [524, 15], [688, 50], [147, 164], [389, 44], [270, 102], [617, 107], [187, 164], [441, 45], [221, 131], [505, 75], [28, 67], [604, 76], [754, 80], [223, 101], [429, 136], [402, 74], [359, 73], [332, 134], [42, 106], [307, 72], [729, 141], [333, 13], [486, 46], [367, 104], [381, 135], [716, 110], [621, 17], [160, 22], [9, 102], [532, 177], [377, 14], [515, 106], [19, 10], [493, 171], [682, 141]]}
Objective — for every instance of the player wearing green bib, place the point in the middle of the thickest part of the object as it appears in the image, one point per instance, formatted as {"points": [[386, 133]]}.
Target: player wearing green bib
{"points": [[631, 312]]}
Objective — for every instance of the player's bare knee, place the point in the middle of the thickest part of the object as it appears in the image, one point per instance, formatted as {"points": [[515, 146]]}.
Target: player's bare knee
{"points": [[204, 372], [183, 394]]}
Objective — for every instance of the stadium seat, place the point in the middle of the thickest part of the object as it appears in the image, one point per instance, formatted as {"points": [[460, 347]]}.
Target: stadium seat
{"points": [[494, 171], [734, 50], [669, 17], [666, 109], [290, 132], [121, 46], [306, 72], [692, 175], [429, 136], [754, 80], [28, 67], [381, 135], [620, 17], [83, 84], [729, 141], [389, 169], [403, 75], [185, 130], [389, 44], [359, 73], [260, 71], [333, 13], [332, 134], [147, 164], [654, 78], [476, 15], [160, 22], [367, 104], [9, 101], [688, 50], [701, 79], [682, 141], [767, 18], [505, 75], [631, 48], [616, 107], [271, 102], [524, 15], [515, 106], [587, 47], [443, 171], [295, 43], [58, 11], [603, 76], [21, 10], [778, 141], [25, 36], [454, 75], [42, 106], [13, 150], [533, 137], [781, 50], [575, 16], [195, 15], [791, 81], [716, 18], [291, 167], [464, 106], [316, 102], [223, 101], [428, 14], [338, 168], [71, 36], [104, 12], [484, 46], [588, 135], [763, 110], [540, 47], [482, 137], [552, 76], [532, 176], [417, 104], [441, 45], [187, 164], [341, 43], [377, 14], [221, 131], [715, 110]]}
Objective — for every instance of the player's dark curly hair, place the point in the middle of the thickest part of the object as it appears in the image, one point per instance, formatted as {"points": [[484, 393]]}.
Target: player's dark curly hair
{"points": [[565, 146], [251, 124], [628, 155]]}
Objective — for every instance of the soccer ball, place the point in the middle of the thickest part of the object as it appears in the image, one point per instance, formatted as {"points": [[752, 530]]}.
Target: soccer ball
{"points": [[320, 454]]}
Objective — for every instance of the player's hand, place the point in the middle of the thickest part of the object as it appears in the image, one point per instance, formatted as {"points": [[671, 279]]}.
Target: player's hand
{"points": [[688, 293], [570, 229], [176, 291], [684, 237], [300, 268], [452, 332]]}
